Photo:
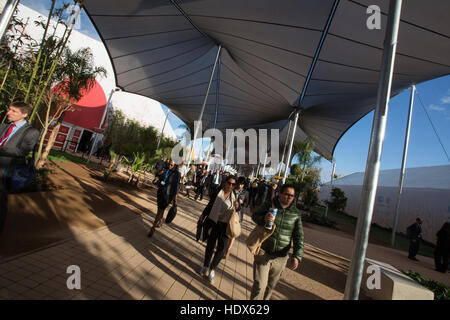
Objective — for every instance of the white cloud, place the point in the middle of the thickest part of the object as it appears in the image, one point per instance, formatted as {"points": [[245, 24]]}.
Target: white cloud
{"points": [[436, 108], [445, 99]]}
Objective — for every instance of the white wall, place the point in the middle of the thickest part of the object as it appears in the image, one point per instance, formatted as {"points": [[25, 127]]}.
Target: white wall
{"points": [[431, 205]]}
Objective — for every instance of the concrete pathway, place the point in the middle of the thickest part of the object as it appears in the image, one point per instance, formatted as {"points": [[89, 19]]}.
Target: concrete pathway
{"points": [[119, 262]]}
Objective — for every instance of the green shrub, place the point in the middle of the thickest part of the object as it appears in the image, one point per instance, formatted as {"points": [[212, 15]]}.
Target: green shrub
{"points": [[338, 200], [319, 219], [441, 291], [310, 198]]}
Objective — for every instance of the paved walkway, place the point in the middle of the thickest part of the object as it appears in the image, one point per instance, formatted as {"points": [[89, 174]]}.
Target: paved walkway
{"points": [[119, 262]]}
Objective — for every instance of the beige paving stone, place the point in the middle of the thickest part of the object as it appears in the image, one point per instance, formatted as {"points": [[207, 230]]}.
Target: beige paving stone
{"points": [[4, 282], [29, 283]]}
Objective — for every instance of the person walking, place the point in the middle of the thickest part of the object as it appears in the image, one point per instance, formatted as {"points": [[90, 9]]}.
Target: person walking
{"points": [[216, 182], [190, 179], [182, 169], [253, 194], [414, 233], [208, 182], [442, 251], [218, 213], [243, 200], [201, 185], [158, 168], [272, 191], [17, 139], [168, 186], [269, 264], [262, 193]]}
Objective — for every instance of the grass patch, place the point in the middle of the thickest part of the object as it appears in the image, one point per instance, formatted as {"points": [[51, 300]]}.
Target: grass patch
{"points": [[382, 234], [319, 219], [56, 155]]}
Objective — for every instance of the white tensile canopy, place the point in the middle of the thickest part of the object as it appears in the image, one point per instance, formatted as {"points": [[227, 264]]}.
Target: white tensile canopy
{"points": [[166, 50]]}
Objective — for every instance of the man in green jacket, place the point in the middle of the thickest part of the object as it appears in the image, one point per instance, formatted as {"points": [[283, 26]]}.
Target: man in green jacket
{"points": [[271, 261]]}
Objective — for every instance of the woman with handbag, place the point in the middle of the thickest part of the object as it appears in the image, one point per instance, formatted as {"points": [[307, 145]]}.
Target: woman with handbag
{"points": [[218, 212]]}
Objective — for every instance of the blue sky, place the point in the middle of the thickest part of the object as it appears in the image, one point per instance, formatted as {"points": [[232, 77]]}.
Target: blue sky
{"points": [[424, 148], [351, 151]]}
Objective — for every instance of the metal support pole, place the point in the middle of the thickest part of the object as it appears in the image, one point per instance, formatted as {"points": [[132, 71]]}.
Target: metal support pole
{"points": [[291, 144], [257, 168], [331, 186], [204, 104], [217, 92], [162, 131], [402, 171], [369, 188], [101, 123], [264, 167], [6, 16], [284, 149]]}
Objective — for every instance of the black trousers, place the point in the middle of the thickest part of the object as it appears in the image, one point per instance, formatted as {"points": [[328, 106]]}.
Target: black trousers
{"points": [[217, 237], [199, 192], [441, 259], [414, 247], [3, 206]]}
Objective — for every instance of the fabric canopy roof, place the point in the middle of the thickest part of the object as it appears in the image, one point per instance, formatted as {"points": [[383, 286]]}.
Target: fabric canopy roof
{"points": [[166, 50]]}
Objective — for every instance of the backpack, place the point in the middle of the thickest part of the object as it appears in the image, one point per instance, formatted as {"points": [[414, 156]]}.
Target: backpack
{"points": [[410, 230]]}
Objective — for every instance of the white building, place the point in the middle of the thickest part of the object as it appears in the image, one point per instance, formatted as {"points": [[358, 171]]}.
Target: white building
{"points": [[144, 110], [425, 194]]}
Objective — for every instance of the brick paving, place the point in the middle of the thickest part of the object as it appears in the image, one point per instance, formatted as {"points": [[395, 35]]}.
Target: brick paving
{"points": [[119, 262]]}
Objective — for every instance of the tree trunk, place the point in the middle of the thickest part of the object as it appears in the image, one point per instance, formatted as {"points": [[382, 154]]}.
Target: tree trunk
{"points": [[48, 147], [6, 75], [44, 133], [41, 143]]}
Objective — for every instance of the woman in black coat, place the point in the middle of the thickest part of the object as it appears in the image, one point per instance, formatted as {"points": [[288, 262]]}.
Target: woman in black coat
{"points": [[442, 251]]}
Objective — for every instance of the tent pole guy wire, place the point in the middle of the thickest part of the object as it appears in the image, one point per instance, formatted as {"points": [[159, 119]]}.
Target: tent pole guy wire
{"points": [[402, 170], [432, 125], [204, 103], [305, 86]]}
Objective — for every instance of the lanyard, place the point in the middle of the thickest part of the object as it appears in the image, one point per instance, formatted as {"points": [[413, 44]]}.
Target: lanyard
{"points": [[167, 175]]}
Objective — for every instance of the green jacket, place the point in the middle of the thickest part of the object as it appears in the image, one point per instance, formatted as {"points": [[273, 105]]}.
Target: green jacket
{"points": [[288, 228]]}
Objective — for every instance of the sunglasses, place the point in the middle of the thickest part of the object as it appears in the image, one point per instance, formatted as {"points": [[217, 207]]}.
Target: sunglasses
{"points": [[231, 184], [289, 195]]}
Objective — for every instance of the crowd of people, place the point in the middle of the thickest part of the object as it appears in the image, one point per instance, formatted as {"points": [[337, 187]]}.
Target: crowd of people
{"points": [[228, 194]]}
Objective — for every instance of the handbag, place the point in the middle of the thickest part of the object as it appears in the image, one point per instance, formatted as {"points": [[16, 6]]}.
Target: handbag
{"points": [[172, 213], [258, 235], [20, 176], [234, 226]]}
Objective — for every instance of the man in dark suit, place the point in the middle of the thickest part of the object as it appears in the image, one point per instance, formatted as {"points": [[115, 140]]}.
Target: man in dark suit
{"points": [[415, 235], [17, 139]]}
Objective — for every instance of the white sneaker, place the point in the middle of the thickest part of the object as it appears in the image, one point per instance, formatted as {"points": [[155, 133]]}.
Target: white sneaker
{"points": [[211, 275], [204, 271]]}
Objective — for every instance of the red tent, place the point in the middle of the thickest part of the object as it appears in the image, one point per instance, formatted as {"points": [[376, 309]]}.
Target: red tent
{"points": [[89, 109], [86, 116]]}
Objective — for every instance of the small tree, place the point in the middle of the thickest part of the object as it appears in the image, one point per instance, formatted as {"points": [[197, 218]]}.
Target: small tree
{"points": [[304, 150], [310, 198], [338, 200]]}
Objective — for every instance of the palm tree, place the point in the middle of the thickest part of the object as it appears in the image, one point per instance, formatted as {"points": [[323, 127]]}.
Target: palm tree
{"points": [[304, 151]]}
